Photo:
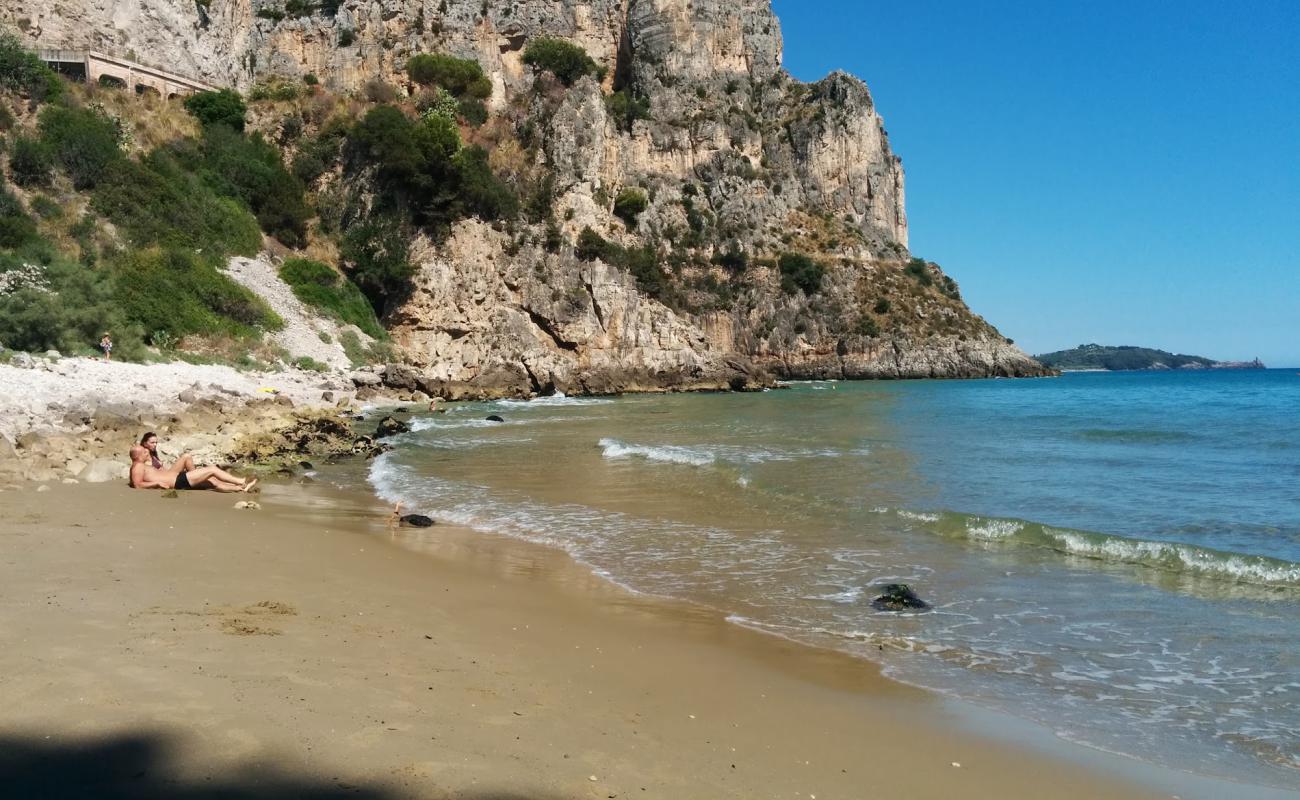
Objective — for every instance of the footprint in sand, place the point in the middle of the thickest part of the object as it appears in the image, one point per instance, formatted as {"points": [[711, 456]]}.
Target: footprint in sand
{"points": [[234, 626]]}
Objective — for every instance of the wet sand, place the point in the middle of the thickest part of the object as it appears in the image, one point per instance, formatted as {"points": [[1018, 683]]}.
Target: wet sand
{"points": [[182, 648]]}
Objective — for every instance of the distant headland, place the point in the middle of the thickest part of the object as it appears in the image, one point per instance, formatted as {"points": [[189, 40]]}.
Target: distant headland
{"points": [[1128, 357]]}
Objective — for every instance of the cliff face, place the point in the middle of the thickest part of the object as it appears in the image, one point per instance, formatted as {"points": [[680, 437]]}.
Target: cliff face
{"points": [[739, 163]]}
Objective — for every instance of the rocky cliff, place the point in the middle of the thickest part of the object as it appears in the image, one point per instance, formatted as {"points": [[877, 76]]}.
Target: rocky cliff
{"points": [[740, 167]]}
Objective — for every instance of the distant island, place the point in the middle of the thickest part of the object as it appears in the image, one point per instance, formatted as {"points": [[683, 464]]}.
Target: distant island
{"points": [[1127, 357]]}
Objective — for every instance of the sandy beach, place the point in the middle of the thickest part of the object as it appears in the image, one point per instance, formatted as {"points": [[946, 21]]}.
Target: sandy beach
{"points": [[180, 647]]}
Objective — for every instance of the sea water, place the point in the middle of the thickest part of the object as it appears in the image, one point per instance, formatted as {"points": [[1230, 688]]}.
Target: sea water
{"points": [[1116, 556]]}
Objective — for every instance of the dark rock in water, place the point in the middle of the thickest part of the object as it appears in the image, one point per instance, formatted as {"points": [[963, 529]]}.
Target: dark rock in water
{"points": [[389, 426], [417, 521], [402, 410], [305, 465], [898, 597], [284, 471], [358, 418], [495, 418]]}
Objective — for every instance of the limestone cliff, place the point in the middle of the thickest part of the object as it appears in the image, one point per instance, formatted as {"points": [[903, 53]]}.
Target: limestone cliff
{"points": [[739, 164]]}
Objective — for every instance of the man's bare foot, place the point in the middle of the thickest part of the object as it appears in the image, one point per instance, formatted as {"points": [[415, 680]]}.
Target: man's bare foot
{"points": [[249, 484]]}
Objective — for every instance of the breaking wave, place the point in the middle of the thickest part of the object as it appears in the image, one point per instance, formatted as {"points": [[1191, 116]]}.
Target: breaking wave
{"points": [[1174, 557]]}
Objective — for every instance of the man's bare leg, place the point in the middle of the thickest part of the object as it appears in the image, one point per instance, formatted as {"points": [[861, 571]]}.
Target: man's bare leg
{"points": [[183, 464], [201, 474]]}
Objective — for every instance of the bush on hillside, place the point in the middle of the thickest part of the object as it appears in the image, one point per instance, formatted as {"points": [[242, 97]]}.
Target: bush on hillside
{"points": [[222, 107], [181, 293], [626, 108], [481, 193], [800, 273], [420, 170], [919, 269], [320, 287], [21, 71], [60, 305], [17, 228], [411, 157], [83, 141], [376, 253], [629, 205], [156, 201], [462, 77], [30, 161], [640, 262], [250, 169], [563, 59]]}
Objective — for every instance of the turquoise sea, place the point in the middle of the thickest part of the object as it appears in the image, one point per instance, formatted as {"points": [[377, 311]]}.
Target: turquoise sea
{"points": [[1113, 555]]}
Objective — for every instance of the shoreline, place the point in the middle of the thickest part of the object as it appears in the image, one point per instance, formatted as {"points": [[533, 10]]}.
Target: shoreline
{"points": [[303, 644]]}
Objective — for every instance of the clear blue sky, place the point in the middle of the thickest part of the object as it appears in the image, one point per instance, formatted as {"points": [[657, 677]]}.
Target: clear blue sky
{"points": [[1117, 172]]}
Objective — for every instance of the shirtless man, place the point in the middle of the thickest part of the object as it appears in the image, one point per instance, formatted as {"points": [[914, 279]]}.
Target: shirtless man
{"points": [[182, 475]]}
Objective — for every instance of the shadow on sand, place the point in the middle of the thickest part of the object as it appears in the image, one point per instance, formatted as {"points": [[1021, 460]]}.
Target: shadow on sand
{"points": [[139, 765]]}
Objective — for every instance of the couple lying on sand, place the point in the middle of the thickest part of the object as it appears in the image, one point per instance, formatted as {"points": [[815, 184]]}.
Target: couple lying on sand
{"points": [[148, 472]]}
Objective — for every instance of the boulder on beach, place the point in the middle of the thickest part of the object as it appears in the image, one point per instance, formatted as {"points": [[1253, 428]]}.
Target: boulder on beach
{"points": [[898, 597], [390, 426], [495, 418], [417, 521], [103, 470]]}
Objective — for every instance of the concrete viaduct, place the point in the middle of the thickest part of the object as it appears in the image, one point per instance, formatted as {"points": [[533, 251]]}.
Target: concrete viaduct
{"points": [[94, 67]]}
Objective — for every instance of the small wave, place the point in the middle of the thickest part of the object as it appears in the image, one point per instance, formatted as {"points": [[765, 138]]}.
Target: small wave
{"points": [[557, 399], [917, 516], [695, 457], [1135, 436], [1174, 557]]}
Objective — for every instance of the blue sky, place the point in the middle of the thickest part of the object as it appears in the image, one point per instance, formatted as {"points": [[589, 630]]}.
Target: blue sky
{"points": [[1124, 173]]}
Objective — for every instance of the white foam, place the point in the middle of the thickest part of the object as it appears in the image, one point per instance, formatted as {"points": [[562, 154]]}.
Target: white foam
{"points": [[993, 529], [557, 399], [692, 456], [918, 516]]}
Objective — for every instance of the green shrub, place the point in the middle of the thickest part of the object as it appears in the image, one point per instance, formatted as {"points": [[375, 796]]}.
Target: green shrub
{"points": [[6, 117], [421, 170], [882, 306], [346, 37], [222, 107], [481, 193], [45, 208], [310, 79], [564, 59], [473, 111], [178, 292], [919, 269], [411, 158], [250, 169], [83, 142], [310, 364], [463, 77], [31, 161], [800, 273], [629, 205], [626, 108], [320, 287], [376, 252], [734, 259], [17, 229], [641, 262], [157, 201], [21, 71], [316, 155], [64, 307], [867, 326]]}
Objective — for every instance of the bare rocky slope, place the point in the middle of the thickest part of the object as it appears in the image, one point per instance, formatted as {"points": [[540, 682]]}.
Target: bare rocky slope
{"points": [[739, 163]]}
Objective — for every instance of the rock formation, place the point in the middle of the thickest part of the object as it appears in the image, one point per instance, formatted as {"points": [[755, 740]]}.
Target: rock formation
{"points": [[738, 163]]}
